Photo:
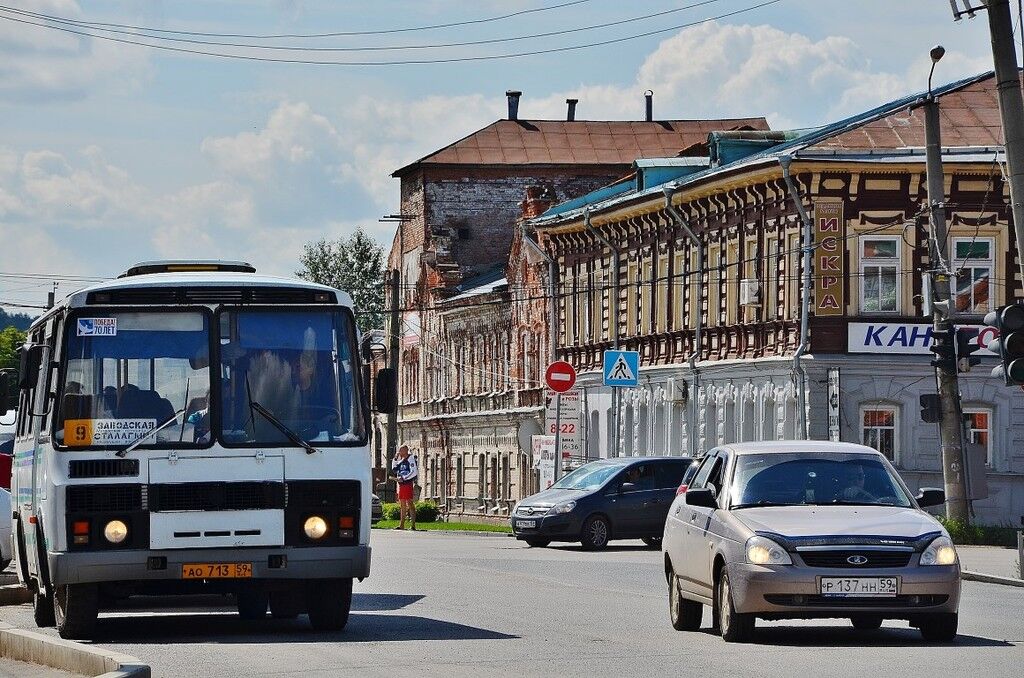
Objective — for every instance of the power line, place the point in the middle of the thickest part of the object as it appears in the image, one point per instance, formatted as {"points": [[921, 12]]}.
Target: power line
{"points": [[398, 62], [335, 34], [382, 48], [50, 276]]}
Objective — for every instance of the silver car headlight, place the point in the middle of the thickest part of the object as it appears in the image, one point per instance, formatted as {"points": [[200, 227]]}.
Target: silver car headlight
{"points": [[764, 551], [562, 508], [940, 552]]}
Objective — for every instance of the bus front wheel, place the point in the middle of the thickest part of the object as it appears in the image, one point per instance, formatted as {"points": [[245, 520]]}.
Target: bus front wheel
{"points": [[42, 610], [329, 603], [75, 608]]}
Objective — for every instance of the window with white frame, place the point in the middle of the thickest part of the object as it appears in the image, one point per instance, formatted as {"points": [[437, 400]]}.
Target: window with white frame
{"points": [[973, 264], [978, 425], [880, 429], [879, 274]]}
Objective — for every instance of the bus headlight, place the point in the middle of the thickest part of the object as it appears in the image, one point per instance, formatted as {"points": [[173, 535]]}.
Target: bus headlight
{"points": [[115, 531], [315, 527]]}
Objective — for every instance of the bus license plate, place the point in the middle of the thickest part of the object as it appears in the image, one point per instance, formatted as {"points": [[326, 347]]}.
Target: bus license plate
{"points": [[859, 587], [216, 570]]}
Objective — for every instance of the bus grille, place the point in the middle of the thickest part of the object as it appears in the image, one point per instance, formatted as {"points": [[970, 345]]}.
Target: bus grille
{"points": [[102, 468], [104, 498], [220, 496]]}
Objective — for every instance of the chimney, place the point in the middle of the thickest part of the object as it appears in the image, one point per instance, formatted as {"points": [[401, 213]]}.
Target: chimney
{"points": [[513, 103], [649, 96], [570, 115], [538, 200]]}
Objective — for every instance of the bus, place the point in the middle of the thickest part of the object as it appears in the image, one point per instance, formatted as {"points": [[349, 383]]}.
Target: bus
{"points": [[193, 427]]}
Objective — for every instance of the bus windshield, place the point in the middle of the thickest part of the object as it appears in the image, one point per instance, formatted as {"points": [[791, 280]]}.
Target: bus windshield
{"points": [[300, 366], [129, 372]]}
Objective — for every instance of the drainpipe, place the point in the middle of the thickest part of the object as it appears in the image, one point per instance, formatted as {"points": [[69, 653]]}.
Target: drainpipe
{"points": [[552, 287], [699, 327], [614, 315], [805, 302]]}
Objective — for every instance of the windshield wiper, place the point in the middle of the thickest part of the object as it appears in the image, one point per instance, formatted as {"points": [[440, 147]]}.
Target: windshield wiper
{"points": [[759, 504], [149, 434], [280, 426]]}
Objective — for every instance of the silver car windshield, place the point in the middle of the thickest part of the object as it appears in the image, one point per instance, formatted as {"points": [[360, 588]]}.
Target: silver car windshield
{"points": [[814, 479], [588, 477]]}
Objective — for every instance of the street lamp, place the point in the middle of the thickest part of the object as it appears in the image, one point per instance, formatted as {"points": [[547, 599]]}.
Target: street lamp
{"points": [[936, 54]]}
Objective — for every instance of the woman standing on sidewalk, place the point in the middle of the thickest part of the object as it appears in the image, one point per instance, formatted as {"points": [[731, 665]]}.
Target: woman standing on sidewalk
{"points": [[406, 470]]}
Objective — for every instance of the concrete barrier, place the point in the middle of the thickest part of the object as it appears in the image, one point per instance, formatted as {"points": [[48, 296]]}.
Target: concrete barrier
{"points": [[37, 648]]}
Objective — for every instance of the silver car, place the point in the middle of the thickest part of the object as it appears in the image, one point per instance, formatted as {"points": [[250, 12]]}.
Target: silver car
{"points": [[806, 529]]}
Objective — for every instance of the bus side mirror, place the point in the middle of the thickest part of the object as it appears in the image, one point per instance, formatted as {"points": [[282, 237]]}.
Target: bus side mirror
{"points": [[31, 359], [7, 391], [385, 391]]}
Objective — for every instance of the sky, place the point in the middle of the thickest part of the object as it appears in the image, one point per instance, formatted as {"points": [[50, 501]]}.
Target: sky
{"points": [[112, 153]]}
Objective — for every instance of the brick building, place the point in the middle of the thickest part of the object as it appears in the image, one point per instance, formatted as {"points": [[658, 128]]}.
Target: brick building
{"points": [[862, 182], [473, 343]]}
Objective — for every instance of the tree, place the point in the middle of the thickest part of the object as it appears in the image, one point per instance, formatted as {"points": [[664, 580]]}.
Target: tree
{"points": [[354, 265], [11, 338]]}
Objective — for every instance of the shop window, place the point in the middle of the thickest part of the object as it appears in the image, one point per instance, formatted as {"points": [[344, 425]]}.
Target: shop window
{"points": [[880, 430], [973, 265], [880, 274]]}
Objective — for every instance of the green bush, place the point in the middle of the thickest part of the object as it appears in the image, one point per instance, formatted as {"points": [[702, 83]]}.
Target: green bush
{"points": [[426, 511], [389, 511], [981, 535]]}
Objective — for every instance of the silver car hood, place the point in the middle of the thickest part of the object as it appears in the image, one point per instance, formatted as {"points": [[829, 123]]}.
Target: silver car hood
{"points": [[849, 521]]}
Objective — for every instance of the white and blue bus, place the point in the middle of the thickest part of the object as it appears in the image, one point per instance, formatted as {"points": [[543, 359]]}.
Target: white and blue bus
{"points": [[193, 427]]}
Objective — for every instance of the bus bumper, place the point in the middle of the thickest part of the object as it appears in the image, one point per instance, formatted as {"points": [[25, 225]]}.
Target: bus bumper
{"points": [[329, 562]]}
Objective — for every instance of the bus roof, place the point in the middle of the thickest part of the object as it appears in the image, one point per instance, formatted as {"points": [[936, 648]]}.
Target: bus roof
{"points": [[187, 280]]}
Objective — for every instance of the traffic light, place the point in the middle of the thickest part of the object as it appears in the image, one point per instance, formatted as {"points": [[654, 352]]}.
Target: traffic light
{"points": [[931, 408], [944, 348], [1009, 320], [965, 358]]}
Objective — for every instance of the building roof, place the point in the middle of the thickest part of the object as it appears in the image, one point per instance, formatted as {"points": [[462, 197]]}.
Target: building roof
{"points": [[884, 125], [967, 117], [577, 142]]}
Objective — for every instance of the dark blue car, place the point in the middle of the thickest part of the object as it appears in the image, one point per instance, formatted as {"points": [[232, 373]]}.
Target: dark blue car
{"points": [[621, 498]]}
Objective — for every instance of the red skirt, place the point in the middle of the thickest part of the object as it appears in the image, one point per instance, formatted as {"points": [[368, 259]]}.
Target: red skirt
{"points": [[405, 491]]}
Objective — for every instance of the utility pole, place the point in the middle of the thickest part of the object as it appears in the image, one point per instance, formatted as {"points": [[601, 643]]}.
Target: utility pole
{"points": [[943, 340], [1011, 109], [393, 348]]}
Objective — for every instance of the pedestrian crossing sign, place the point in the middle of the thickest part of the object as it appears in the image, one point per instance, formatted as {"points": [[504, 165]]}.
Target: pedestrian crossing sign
{"points": [[621, 368]]}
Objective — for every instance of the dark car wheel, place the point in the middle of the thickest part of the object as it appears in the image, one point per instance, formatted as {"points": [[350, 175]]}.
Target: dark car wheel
{"points": [[329, 603], [686, 615], [734, 627], [252, 604], [595, 533], [939, 628], [538, 543], [866, 622], [42, 610], [652, 542], [75, 609]]}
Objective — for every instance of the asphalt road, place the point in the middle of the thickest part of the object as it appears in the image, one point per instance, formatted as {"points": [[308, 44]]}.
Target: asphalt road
{"points": [[453, 605]]}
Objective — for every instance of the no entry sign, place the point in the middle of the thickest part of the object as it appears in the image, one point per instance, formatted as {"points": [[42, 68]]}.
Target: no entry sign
{"points": [[560, 376]]}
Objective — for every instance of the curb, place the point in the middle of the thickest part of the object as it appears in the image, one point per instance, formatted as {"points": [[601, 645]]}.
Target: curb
{"points": [[14, 594], [36, 648], [475, 533], [991, 579]]}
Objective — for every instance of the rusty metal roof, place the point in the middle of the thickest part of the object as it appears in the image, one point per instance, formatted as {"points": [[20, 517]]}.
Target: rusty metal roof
{"points": [[578, 142], [968, 116]]}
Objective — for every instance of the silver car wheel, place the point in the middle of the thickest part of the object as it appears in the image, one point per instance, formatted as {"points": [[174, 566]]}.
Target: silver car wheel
{"points": [[598, 533], [724, 613]]}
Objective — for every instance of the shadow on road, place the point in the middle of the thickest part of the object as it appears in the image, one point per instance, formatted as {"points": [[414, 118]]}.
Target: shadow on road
{"points": [[227, 627], [382, 602], [832, 636]]}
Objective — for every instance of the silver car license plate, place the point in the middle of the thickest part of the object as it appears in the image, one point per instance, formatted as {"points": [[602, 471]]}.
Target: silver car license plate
{"points": [[859, 587], [526, 523]]}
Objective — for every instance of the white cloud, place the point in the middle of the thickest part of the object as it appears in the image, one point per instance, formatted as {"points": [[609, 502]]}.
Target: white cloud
{"points": [[42, 64]]}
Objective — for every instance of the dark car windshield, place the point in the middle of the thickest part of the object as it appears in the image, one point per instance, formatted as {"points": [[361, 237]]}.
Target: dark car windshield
{"points": [[815, 479], [588, 477]]}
